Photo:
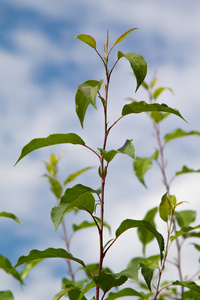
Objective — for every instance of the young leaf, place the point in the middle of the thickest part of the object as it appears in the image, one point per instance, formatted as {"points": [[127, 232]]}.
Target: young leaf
{"points": [[183, 231], [158, 116], [106, 280], [159, 90], [127, 148], [142, 106], [74, 294], [48, 253], [87, 39], [125, 293], [123, 36], [7, 267], [28, 267], [179, 133], [86, 224], [142, 165], [185, 170], [185, 217], [78, 196], [188, 284], [165, 208], [73, 176], [144, 235], [53, 139], [138, 65], [64, 292], [10, 216], [87, 288], [127, 224], [6, 295], [56, 187], [85, 95]]}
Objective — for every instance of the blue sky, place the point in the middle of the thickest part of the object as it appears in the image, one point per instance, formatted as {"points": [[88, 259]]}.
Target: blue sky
{"points": [[41, 67]]}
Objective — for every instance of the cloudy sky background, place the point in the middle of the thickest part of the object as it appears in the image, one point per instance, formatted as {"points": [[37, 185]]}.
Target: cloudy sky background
{"points": [[41, 67]]}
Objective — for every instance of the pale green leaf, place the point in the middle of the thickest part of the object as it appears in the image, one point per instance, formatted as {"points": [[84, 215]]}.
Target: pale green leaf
{"points": [[6, 295], [191, 285], [87, 288], [63, 292], [8, 268], [28, 267], [73, 176], [87, 39], [158, 116], [165, 208], [123, 36], [128, 224], [53, 139], [48, 253], [85, 95], [79, 196], [125, 293], [159, 91], [142, 106], [183, 231], [10, 216], [127, 149], [185, 217], [186, 170], [56, 187], [144, 235], [179, 133], [138, 65], [142, 165]]}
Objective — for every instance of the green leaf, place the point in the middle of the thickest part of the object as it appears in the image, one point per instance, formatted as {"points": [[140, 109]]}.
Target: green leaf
{"points": [[183, 231], [79, 196], [73, 176], [197, 247], [48, 253], [10, 216], [144, 235], [56, 187], [63, 292], [53, 139], [188, 284], [142, 165], [137, 262], [127, 224], [165, 208], [159, 91], [28, 267], [185, 170], [185, 217], [86, 94], [125, 293], [147, 273], [74, 294], [179, 133], [138, 65], [87, 288], [6, 295], [158, 116], [142, 106], [86, 224], [127, 149], [106, 280], [123, 36], [87, 39], [8, 268]]}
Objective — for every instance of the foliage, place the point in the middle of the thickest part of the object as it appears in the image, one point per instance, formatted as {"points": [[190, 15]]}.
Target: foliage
{"points": [[99, 281]]}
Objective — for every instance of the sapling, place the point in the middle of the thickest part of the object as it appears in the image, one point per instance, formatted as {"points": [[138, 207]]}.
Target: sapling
{"points": [[85, 198]]}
